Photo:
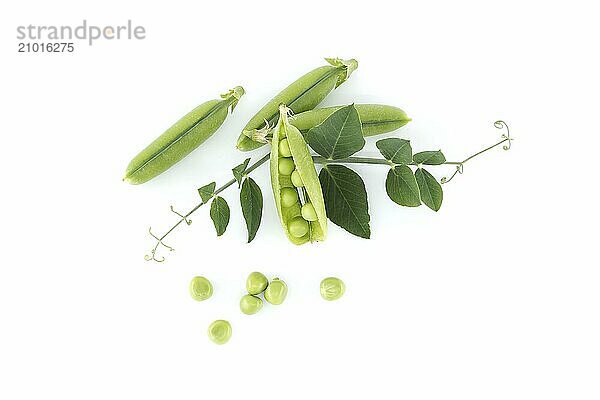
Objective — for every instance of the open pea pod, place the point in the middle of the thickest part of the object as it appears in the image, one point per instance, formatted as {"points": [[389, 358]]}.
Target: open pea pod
{"points": [[296, 186]]}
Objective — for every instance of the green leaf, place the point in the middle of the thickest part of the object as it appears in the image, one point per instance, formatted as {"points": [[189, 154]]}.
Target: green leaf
{"points": [[207, 191], [238, 172], [401, 186], [219, 213], [431, 190], [429, 157], [346, 199], [395, 150], [339, 136], [252, 202]]}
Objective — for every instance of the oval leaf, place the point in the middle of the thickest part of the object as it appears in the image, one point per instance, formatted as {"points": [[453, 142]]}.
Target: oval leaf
{"points": [[339, 136], [346, 199], [431, 190], [219, 213], [251, 201], [395, 150], [430, 157], [401, 186], [207, 191]]}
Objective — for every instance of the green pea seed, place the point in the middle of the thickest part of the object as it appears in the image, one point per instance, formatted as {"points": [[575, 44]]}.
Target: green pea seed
{"points": [[308, 212], [219, 331], [276, 292], [200, 288], [250, 304], [298, 227], [284, 148], [332, 288], [296, 180], [286, 166], [289, 197], [256, 283]]}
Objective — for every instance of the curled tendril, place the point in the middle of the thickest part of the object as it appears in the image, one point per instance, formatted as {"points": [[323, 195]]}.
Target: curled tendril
{"points": [[183, 217], [502, 125], [159, 242], [459, 170]]}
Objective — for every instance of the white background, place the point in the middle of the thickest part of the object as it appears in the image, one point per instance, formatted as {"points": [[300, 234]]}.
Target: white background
{"points": [[494, 297]]}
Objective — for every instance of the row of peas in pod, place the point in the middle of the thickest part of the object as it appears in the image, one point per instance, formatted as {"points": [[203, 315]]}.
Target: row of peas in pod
{"points": [[257, 284], [296, 187]]}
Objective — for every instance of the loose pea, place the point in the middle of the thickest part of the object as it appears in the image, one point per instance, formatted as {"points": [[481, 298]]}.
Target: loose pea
{"points": [[332, 288], [200, 288], [250, 304], [296, 180], [276, 292], [289, 197], [308, 212], [298, 227], [219, 331], [256, 283], [286, 166], [284, 148]]}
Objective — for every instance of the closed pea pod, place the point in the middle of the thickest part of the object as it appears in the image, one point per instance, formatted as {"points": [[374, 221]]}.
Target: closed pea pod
{"points": [[375, 118], [182, 138], [302, 95], [291, 198]]}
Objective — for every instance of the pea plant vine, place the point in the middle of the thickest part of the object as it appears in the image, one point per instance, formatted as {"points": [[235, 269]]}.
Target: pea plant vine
{"points": [[335, 142]]}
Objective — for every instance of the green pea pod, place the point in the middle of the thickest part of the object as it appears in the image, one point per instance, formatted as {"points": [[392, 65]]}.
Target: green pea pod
{"points": [[302, 95], [182, 138], [291, 211], [375, 118]]}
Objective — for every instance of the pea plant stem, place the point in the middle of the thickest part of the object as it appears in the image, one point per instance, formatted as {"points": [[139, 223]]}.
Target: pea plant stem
{"points": [[383, 161], [185, 217], [318, 160]]}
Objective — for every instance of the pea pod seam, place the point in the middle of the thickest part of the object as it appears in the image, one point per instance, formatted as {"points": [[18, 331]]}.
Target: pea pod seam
{"points": [[230, 99]]}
